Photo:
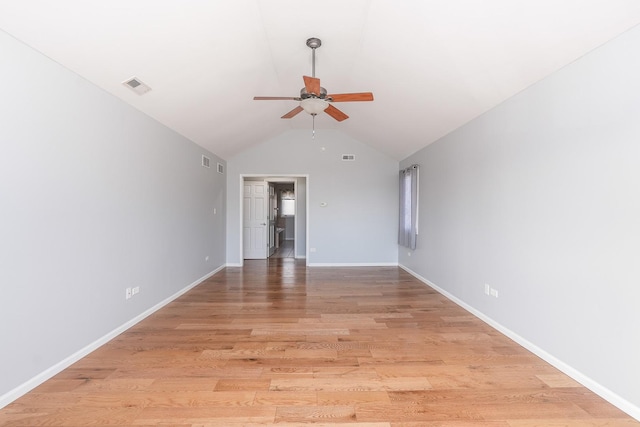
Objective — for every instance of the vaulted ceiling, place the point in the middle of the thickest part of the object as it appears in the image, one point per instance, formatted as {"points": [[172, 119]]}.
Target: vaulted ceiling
{"points": [[432, 65]]}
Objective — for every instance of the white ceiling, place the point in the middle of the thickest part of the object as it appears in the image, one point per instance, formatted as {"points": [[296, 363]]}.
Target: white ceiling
{"points": [[432, 65]]}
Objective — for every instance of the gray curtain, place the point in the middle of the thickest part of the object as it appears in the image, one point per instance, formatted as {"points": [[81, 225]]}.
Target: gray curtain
{"points": [[408, 226]]}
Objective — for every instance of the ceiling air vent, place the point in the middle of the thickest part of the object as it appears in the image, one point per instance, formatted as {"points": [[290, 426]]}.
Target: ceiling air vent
{"points": [[220, 168], [348, 157], [136, 85], [206, 161]]}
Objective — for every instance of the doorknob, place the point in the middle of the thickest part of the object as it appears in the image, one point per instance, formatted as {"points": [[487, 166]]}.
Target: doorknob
{"points": [[263, 223]]}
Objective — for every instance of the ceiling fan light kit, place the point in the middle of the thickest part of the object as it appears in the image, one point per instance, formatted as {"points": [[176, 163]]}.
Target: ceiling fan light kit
{"points": [[313, 98], [314, 106]]}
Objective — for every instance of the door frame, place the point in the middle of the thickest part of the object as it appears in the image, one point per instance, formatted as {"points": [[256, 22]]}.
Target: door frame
{"points": [[277, 178]]}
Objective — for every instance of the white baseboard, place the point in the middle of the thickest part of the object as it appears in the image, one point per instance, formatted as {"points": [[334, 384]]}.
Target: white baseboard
{"points": [[29, 385], [608, 395], [234, 264], [354, 264]]}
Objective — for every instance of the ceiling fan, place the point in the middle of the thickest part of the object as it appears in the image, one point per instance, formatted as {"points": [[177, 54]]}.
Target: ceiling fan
{"points": [[314, 98]]}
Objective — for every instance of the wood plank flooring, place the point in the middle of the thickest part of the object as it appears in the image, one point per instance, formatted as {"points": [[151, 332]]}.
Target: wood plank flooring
{"points": [[276, 343]]}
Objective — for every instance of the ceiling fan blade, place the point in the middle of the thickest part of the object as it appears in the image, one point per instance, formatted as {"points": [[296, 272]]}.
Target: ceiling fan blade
{"points": [[312, 85], [350, 97], [335, 113], [292, 112], [275, 98]]}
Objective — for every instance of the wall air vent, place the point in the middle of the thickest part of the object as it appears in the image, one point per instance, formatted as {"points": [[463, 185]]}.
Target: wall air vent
{"points": [[136, 85], [348, 157], [206, 161], [220, 168]]}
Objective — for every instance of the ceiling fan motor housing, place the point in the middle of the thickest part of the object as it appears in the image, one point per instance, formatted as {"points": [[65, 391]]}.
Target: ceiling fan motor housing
{"points": [[304, 94]]}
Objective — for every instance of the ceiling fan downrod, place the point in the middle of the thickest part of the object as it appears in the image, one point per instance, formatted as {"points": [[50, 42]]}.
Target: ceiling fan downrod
{"points": [[313, 43]]}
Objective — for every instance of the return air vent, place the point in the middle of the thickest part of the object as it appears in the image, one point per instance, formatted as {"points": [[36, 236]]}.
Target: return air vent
{"points": [[348, 157], [206, 161], [136, 85], [220, 168]]}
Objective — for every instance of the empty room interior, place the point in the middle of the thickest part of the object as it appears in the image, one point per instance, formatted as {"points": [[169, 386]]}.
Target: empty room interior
{"points": [[365, 213]]}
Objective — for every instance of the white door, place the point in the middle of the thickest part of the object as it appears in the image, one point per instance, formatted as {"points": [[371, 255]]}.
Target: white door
{"points": [[255, 220]]}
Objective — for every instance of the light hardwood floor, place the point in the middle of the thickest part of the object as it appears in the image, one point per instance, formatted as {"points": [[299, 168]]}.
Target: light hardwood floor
{"points": [[275, 343]]}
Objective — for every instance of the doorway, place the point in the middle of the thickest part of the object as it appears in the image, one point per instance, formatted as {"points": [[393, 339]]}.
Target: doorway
{"points": [[274, 216], [284, 219]]}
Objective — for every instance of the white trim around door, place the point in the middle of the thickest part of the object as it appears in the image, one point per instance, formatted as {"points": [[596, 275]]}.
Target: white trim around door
{"points": [[296, 178]]}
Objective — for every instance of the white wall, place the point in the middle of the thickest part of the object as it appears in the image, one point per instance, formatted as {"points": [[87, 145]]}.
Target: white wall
{"points": [[540, 198], [358, 225], [95, 197]]}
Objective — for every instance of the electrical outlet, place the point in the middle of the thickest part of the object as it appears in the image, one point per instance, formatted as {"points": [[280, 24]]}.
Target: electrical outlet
{"points": [[312, 249], [206, 258], [488, 290], [128, 293]]}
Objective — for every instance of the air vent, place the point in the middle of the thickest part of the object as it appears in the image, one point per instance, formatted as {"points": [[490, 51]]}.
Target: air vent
{"points": [[220, 168], [206, 161], [348, 157], [136, 85]]}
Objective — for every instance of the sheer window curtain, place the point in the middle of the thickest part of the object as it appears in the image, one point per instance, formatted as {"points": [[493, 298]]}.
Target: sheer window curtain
{"points": [[408, 227]]}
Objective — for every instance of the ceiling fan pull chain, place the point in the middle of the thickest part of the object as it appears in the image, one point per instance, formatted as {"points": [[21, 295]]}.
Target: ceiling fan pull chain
{"points": [[313, 126]]}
